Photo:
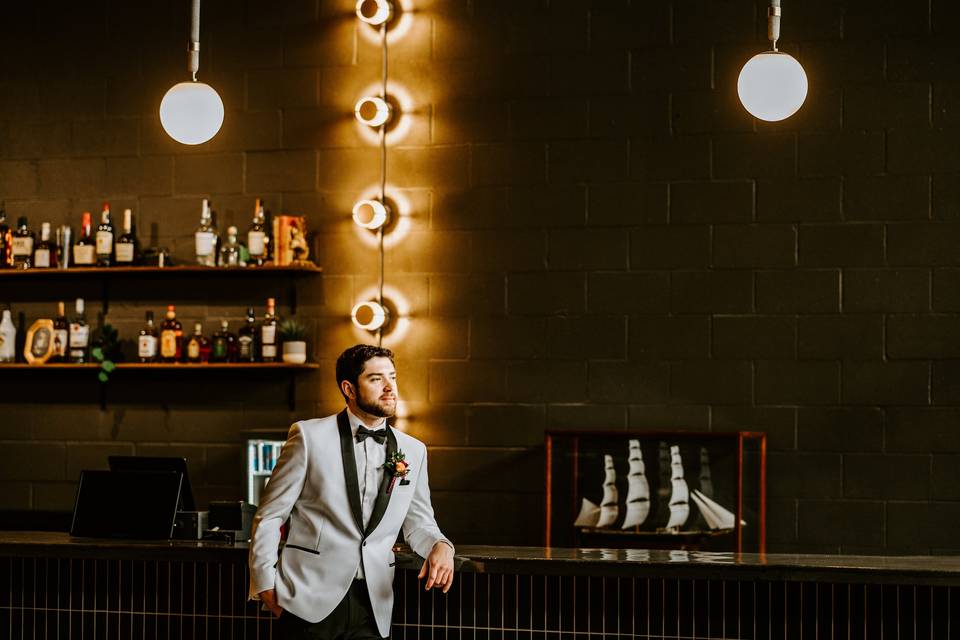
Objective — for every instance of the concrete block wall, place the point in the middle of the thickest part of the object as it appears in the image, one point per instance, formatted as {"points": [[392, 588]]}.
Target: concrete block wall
{"points": [[596, 236]]}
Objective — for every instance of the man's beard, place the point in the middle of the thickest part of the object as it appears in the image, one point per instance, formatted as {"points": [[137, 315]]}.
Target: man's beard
{"points": [[375, 408]]}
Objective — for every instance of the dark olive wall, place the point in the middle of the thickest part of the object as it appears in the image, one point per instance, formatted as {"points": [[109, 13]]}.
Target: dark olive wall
{"points": [[595, 235]]}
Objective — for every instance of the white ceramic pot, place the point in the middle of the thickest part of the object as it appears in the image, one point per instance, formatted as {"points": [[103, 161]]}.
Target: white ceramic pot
{"points": [[295, 352]]}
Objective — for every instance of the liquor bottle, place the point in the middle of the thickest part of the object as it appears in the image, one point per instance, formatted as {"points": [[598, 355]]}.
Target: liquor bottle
{"points": [[223, 348], [45, 254], [126, 246], [230, 250], [247, 339], [79, 335], [171, 337], [198, 346], [23, 239], [105, 238], [268, 333], [147, 342], [61, 334], [8, 338], [84, 251], [6, 240], [257, 237], [206, 237]]}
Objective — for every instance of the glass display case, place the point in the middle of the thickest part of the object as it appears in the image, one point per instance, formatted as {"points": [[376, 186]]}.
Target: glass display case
{"points": [[656, 489]]}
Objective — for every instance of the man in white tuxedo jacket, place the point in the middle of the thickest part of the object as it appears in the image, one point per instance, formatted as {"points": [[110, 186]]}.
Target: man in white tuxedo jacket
{"points": [[334, 577]]}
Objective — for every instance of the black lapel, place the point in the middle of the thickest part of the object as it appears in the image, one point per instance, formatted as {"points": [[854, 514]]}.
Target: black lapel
{"points": [[383, 498], [350, 467]]}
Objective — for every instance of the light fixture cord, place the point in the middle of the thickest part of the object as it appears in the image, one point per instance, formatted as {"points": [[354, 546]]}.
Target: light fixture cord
{"points": [[383, 166], [193, 50], [773, 22]]}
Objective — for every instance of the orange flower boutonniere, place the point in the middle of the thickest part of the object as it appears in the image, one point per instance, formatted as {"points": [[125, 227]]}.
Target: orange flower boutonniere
{"points": [[398, 467]]}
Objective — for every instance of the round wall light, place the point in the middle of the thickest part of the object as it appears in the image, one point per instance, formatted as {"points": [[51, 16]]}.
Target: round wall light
{"points": [[373, 111], [375, 12], [191, 112], [772, 86], [371, 214], [369, 315]]}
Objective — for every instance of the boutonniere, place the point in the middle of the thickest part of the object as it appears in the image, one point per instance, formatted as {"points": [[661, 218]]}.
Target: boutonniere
{"points": [[398, 467]]}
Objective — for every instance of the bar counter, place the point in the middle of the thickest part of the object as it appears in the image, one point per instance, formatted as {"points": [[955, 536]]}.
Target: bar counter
{"points": [[53, 585]]}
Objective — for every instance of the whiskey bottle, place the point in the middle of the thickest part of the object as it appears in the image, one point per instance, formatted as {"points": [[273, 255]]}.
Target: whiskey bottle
{"points": [[147, 342], [268, 333], [171, 337], [84, 251], [205, 237], [247, 339], [8, 338], [126, 247], [45, 254], [6, 240], [198, 346], [224, 344], [230, 250], [23, 239], [105, 238], [61, 334], [257, 237], [79, 335]]}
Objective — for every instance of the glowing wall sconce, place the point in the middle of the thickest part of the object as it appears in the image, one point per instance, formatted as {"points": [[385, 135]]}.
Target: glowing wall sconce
{"points": [[371, 214], [192, 112], [772, 85], [373, 111], [370, 315], [375, 12]]}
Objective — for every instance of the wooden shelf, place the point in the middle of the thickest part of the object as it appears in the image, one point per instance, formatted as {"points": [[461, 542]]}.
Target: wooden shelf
{"points": [[184, 269], [164, 366]]}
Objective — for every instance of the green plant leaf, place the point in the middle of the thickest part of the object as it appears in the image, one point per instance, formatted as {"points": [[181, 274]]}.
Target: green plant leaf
{"points": [[108, 366], [103, 377], [97, 353]]}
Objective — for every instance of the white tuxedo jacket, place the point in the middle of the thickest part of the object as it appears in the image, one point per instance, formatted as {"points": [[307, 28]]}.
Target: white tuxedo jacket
{"points": [[315, 485]]}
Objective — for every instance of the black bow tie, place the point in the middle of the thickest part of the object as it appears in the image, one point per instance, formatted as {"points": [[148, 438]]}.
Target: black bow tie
{"points": [[380, 435]]}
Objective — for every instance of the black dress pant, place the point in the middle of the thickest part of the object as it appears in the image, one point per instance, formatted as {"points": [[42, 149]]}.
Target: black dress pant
{"points": [[352, 619]]}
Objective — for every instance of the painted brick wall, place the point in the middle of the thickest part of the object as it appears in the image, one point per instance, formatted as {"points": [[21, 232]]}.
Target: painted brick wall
{"points": [[597, 236]]}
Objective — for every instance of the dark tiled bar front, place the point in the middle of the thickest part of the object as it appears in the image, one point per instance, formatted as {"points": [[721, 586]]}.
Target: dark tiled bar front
{"points": [[54, 586]]}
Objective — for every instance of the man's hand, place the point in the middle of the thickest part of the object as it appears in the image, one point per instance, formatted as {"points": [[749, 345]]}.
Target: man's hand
{"points": [[438, 567], [269, 598]]}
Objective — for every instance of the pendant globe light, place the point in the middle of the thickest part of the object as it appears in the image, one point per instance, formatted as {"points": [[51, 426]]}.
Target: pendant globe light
{"points": [[772, 85], [192, 112]]}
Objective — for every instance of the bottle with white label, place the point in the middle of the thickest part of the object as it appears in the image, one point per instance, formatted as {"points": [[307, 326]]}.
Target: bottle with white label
{"points": [[8, 338], [147, 342], [126, 246], [206, 237], [61, 334], [23, 239], [84, 251], [105, 238], [257, 237], [45, 253], [268, 333], [79, 335]]}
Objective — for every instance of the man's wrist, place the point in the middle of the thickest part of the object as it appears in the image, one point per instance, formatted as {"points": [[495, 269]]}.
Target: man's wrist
{"points": [[446, 542]]}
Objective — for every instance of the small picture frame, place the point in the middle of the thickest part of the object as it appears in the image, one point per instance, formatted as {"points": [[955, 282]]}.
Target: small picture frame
{"points": [[40, 342]]}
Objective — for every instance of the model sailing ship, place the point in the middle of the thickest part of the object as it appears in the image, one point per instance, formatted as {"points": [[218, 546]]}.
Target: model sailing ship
{"points": [[676, 493]]}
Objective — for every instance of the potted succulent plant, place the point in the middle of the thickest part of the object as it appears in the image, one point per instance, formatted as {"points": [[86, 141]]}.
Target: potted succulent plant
{"points": [[294, 336]]}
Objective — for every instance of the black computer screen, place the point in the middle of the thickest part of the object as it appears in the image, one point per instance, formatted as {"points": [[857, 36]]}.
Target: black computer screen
{"points": [[126, 504], [153, 463]]}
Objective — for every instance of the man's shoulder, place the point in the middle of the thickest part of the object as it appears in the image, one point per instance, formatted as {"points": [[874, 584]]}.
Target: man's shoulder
{"points": [[407, 442], [317, 427]]}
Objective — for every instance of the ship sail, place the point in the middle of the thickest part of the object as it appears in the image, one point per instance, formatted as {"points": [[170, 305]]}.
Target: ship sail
{"points": [[706, 481], [589, 514], [717, 517], [638, 490], [680, 496], [609, 508]]}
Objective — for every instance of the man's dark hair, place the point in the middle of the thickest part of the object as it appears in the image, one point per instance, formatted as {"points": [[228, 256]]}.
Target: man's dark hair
{"points": [[351, 362]]}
